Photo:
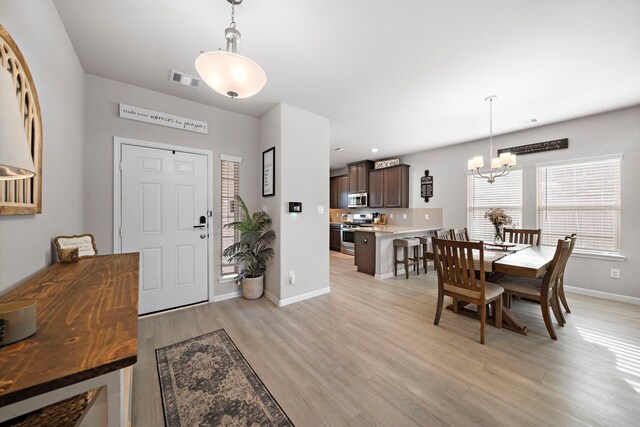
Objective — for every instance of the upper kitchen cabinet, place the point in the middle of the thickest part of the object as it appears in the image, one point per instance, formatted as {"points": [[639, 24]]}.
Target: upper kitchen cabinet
{"points": [[339, 192], [359, 176], [389, 187]]}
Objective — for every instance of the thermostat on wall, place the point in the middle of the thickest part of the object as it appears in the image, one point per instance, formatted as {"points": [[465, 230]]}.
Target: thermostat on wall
{"points": [[295, 207]]}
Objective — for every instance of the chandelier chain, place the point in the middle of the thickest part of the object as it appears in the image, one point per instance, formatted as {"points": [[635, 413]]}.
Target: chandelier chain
{"points": [[233, 14]]}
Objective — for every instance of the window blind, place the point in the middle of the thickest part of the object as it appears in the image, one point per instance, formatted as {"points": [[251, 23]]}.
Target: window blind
{"points": [[583, 197], [505, 193], [230, 210]]}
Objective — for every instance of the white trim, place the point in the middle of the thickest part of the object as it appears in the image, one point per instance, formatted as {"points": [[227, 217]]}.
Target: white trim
{"points": [[230, 158], [297, 298], [603, 295], [580, 160], [227, 279], [228, 295], [118, 142], [607, 256]]}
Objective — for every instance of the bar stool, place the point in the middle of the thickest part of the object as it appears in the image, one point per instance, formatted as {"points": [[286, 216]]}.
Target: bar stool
{"points": [[414, 260], [427, 251]]}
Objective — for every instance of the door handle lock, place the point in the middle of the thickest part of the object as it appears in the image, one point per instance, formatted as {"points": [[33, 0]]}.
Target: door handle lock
{"points": [[203, 223], [203, 236]]}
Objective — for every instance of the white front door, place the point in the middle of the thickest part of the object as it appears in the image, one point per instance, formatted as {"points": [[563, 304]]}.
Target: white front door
{"points": [[164, 200]]}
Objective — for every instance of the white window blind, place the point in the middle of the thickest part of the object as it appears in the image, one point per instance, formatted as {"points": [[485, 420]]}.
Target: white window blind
{"points": [[230, 210], [505, 193], [583, 197]]}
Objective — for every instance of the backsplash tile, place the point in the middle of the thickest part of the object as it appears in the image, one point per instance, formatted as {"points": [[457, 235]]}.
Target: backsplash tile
{"points": [[414, 216]]}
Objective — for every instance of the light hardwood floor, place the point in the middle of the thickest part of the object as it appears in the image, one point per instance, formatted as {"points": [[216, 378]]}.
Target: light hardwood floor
{"points": [[368, 354]]}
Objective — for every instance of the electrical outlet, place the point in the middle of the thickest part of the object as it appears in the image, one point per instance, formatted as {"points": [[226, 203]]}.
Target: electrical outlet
{"points": [[292, 277], [615, 273], [426, 217], [390, 216], [404, 216]]}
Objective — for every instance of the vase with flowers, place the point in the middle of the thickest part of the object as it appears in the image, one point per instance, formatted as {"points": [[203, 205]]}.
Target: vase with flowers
{"points": [[498, 218]]}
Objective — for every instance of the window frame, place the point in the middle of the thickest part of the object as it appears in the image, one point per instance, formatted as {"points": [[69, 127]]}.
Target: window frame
{"points": [[228, 276], [469, 176], [595, 253]]}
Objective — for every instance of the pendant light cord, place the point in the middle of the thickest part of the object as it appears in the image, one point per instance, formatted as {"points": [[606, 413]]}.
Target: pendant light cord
{"points": [[233, 14]]}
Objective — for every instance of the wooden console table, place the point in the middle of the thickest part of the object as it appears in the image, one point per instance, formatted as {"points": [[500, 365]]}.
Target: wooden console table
{"points": [[87, 337]]}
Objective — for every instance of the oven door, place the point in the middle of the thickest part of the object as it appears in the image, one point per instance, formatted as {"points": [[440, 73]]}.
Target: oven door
{"points": [[347, 242]]}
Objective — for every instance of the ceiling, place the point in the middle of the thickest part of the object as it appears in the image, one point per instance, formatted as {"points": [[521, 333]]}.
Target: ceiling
{"points": [[398, 76]]}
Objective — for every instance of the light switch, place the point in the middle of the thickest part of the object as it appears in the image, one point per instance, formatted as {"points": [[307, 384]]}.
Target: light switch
{"points": [[404, 216], [320, 209], [426, 217]]}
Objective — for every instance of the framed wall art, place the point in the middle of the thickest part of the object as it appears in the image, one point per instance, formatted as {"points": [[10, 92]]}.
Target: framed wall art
{"points": [[269, 172]]}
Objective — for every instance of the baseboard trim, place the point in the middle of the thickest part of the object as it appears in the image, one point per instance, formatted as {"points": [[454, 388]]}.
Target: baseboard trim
{"points": [[603, 295], [228, 295], [297, 298]]}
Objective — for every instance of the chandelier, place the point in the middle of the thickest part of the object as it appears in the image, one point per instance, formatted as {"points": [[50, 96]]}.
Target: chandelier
{"points": [[500, 166], [227, 72]]}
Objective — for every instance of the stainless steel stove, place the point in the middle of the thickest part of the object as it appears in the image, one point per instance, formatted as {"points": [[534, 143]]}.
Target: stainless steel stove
{"points": [[350, 222]]}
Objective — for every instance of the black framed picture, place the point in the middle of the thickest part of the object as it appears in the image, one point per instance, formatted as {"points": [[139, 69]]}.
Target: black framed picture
{"points": [[269, 172]]}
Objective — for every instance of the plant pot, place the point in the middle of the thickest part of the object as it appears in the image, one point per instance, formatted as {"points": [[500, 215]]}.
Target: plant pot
{"points": [[252, 288]]}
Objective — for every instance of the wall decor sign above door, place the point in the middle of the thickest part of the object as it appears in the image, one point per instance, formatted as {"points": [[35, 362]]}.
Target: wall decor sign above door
{"points": [[163, 119], [556, 144]]}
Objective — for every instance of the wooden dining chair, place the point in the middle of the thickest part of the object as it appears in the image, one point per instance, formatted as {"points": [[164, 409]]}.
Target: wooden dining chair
{"points": [[563, 298], [542, 290], [459, 234], [457, 279], [522, 236], [443, 234]]}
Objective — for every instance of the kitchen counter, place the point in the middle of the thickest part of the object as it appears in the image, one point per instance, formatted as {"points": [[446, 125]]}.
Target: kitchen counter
{"points": [[395, 229]]}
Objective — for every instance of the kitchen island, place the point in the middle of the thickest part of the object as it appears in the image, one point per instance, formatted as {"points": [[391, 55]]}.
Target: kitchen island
{"points": [[374, 247]]}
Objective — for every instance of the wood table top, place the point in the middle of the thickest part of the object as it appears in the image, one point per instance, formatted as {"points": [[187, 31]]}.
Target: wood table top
{"points": [[530, 262], [87, 326]]}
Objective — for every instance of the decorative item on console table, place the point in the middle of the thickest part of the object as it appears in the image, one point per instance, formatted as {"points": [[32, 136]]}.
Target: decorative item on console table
{"points": [[252, 251], [498, 217], [85, 245]]}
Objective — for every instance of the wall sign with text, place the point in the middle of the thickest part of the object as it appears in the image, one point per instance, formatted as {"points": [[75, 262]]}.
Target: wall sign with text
{"points": [[556, 144], [426, 186], [268, 172], [163, 119]]}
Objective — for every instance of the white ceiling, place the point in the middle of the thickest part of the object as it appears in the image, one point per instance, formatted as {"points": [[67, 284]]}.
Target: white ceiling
{"points": [[402, 76]]}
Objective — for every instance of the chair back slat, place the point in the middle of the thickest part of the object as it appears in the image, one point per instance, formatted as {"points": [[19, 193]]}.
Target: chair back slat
{"points": [[522, 236], [556, 268], [456, 267], [459, 234], [443, 234]]}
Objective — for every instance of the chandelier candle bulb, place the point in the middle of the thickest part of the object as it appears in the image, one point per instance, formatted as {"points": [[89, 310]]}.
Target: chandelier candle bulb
{"points": [[505, 158], [512, 162], [478, 162], [470, 165], [496, 162]]}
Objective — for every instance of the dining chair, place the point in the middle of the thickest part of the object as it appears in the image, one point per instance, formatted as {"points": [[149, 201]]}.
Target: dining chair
{"points": [[522, 236], [459, 234], [457, 279], [563, 298], [543, 290], [427, 246], [443, 234]]}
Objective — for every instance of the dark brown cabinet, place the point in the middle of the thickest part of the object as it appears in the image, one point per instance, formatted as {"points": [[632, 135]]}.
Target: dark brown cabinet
{"points": [[365, 247], [389, 187], [334, 238], [376, 188], [338, 192], [359, 176]]}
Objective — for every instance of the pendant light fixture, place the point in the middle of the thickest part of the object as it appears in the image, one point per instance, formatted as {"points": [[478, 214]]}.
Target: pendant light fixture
{"points": [[15, 158], [500, 166], [227, 72]]}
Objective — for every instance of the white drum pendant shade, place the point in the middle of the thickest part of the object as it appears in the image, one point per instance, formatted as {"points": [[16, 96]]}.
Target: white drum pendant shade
{"points": [[231, 74], [15, 159]]}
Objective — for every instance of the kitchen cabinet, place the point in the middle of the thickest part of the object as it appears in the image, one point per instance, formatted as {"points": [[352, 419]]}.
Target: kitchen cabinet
{"points": [[338, 192], [334, 238], [365, 247], [389, 187], [359, 176]]}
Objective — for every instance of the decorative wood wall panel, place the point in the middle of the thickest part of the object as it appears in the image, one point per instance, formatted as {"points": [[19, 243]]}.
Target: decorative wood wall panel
{"points": [[23, 196]]}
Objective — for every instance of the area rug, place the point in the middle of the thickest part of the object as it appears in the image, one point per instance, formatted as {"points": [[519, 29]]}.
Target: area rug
{"points": [[205, 381]]}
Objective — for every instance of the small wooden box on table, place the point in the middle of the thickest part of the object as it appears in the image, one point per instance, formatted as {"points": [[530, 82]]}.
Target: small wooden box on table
{"points": [[87, 337]]}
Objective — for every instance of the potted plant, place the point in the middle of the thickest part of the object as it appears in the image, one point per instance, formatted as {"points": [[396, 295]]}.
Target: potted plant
{"points": [[252, 251]]}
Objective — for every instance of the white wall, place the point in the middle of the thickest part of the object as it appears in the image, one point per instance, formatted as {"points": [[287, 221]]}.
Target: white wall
{"points": [[229, 133], [614, 132], [25, 240], [302, 175]]}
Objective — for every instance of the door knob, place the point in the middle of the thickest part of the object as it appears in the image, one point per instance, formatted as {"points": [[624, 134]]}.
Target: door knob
{"points": [[203, 236]]}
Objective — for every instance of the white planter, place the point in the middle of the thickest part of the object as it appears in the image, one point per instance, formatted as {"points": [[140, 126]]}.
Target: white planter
{"points": [[253, 288]]}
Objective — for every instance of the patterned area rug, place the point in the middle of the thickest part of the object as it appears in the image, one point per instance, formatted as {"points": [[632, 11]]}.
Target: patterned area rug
{"points": [[205, 381]]}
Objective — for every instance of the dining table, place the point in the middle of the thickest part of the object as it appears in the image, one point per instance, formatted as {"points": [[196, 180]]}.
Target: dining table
{"points": [[518, 260]]}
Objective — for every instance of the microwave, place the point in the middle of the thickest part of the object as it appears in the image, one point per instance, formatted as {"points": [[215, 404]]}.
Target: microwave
{"points": [[357, 200]]}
